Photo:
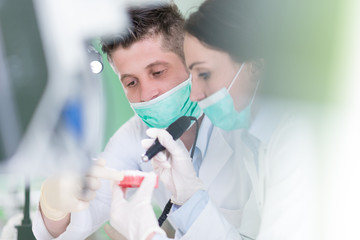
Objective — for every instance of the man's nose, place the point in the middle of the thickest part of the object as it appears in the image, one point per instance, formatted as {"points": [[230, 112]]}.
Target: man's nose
{"points": [[149, 90]]}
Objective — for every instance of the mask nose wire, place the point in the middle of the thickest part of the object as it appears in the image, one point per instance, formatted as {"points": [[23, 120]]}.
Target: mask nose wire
{"points": [[236, 75]]}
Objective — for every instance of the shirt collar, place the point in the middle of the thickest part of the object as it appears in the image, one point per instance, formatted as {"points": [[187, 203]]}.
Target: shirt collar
{"points": [[204, 135]]}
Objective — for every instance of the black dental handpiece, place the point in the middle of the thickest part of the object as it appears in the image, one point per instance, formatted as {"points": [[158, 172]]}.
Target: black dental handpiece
{"points": [[176, 129]]}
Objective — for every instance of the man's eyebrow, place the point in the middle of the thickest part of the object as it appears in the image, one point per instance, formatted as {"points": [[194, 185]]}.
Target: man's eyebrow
{"points": [[156, 63], [126, 75], [195, 63], [123, 76]]}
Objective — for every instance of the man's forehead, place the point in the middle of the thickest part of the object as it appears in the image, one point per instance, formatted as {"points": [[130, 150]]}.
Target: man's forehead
{"points": [[158, 63]]}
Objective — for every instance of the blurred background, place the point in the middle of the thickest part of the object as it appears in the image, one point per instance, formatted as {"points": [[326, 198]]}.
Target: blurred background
{"points": [[312, 50]]}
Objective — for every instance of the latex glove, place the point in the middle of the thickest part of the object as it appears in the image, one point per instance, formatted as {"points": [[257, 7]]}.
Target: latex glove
{"points": [[135, 219], [113, 233], [66, 193], [174, 166]]}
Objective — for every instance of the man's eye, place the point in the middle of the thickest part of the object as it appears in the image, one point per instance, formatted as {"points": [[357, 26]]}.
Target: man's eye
{"points": [[131, 84], [204, 75], [158, 73]]}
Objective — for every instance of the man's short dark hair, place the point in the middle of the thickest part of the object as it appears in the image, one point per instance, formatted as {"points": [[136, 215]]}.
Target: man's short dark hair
{"points": [[163, 20]]}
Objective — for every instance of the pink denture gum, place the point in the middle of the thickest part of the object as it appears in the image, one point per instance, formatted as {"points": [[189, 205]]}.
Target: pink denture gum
{"points": [[132, 181]]}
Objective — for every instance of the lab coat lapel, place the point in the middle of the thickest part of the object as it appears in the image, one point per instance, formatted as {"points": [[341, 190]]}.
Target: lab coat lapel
{"points": [[255, 166], [218, 153], [250, 164]]}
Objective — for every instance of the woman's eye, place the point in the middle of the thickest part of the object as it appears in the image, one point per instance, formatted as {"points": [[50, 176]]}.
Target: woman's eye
{"points": [[204, 75]]}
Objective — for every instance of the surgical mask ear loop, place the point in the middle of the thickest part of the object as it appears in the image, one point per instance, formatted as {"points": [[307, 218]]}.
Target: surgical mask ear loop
{"points": [[256, 88], [232, 82], [236, 75]]}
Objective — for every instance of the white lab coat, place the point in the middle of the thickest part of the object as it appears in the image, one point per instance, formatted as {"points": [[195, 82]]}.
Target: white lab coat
{"points": [[275, 153], [232, 175], [234, 178], [233, 210]]}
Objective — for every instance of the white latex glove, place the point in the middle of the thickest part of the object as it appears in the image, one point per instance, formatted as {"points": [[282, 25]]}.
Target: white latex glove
{"points": [[112, 233], [174, 166], [66, 193], [135, 219]]}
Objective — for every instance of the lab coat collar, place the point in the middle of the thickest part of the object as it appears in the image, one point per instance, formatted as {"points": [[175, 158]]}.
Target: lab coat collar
{"points": [[218, 153], [205, 131], [266, 119]]}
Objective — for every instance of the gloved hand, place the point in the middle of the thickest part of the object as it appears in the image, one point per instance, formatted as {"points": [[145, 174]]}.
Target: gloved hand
{"points": [[174, 166], [66, 193], [112, 233], [135, 219]]}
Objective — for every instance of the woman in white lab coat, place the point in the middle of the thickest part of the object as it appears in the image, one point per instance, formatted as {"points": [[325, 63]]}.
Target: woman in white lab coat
{"points": [[255, 185]]}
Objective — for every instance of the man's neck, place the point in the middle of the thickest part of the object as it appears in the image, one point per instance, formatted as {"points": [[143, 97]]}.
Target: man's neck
{"points": [[188, 137]]}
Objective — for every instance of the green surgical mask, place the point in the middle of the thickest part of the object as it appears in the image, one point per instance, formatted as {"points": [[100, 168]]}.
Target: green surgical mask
{"points": [[220, 109], [168, 107]]}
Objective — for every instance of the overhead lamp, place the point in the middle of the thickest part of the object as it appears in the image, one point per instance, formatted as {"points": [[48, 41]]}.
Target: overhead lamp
{"points": [[96, 63]]}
